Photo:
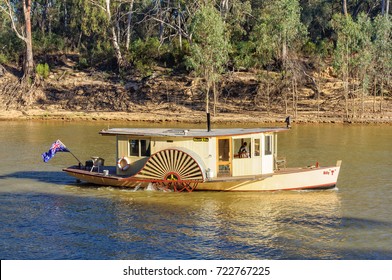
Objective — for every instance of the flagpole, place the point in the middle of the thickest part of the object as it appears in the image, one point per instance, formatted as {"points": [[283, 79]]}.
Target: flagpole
{"points": [[75, 157], [71, 152]]}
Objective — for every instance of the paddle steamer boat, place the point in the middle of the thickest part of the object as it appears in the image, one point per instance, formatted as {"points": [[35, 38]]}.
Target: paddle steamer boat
{"points": [[201, 160]]}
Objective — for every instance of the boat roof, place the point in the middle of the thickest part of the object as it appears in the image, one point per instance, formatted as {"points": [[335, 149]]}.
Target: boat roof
{"points": [[176, 132]]}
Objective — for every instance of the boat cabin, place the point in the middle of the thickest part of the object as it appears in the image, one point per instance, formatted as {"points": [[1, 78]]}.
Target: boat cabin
{"points": [[219, 152]]}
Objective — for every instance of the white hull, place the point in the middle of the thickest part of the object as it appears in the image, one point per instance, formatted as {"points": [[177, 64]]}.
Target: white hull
{"points": [[287, 179], [294, 179]]}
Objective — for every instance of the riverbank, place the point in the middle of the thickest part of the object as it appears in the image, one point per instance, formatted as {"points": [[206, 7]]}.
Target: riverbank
{"points": [[186, 117], [69, 94]]}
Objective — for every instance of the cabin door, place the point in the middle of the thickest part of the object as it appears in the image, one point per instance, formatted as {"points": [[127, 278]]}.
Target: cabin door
{"points": [[224, 164]]}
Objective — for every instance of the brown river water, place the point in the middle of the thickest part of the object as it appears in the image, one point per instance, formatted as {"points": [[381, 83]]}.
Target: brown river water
{"points": [[45, 214]]}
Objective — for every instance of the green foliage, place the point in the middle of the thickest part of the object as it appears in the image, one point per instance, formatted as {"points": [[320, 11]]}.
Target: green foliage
{"points": [[144, 54], [175, 56], [210, 48], [243, 55], [309, 48], [99, 55], [345, 29], [209, 51], [10, 46], [3, 59], [42, 70], [236, 19], [352, 54], [382, 50], [242, 34], [83, 63], [88, 18], [279, 29], [48, 43]]}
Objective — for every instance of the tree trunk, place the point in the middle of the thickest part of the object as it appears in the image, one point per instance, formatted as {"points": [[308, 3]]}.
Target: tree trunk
{"points": [[383, 7], [284, 51], [268, 95], [295, 97], [381, 94], [215, 97], [374, 95], [65, 15], [129, 20], [207, 99], [116, 47], [179, 26], [345, 81], [29, 60], [344, 3]]}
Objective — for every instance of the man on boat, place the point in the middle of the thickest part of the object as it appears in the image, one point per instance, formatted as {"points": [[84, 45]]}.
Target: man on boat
{"points": [[243, 152]]}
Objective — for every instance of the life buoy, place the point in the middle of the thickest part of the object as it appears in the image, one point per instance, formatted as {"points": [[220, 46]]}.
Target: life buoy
{"points": [[123, 164]]}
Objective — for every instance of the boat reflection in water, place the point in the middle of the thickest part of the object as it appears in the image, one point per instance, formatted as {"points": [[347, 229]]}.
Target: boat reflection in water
{"points": [[279, 225]]}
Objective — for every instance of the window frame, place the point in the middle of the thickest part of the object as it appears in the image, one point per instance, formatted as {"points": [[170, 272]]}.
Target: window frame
{"points": [[268, 145], [140, 153], [257, 152]]}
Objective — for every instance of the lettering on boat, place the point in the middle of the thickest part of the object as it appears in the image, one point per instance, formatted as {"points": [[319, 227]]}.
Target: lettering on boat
{"points": [[200, 139], [329, 172]]}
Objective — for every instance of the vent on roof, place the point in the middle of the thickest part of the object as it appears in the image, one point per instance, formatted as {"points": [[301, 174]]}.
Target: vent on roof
{"points": [[177, 131]]}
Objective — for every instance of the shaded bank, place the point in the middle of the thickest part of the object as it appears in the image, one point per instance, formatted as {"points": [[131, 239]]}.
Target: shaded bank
{"points": [[70, 94]]}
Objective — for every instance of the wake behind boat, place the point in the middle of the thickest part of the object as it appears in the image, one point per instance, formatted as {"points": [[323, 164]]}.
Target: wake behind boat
{"points": [[202, 160]]}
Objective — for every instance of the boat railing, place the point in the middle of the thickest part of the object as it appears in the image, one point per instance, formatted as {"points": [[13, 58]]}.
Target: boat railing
{"points": [[280, 162]]}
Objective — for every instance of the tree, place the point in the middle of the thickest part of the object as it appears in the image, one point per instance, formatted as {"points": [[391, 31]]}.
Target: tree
{"points": [[363, 63], [345, 29], [277, 38], [106, 7], [382, 53], [129, 22], [279, 30], [209, 48], [23, 31]]}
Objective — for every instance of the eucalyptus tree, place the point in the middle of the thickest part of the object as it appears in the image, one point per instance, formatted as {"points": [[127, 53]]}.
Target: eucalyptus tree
{"points": [[353, 57], [363, 60], [382, 54], [280, 30], [20, 20], [346, 45], [106, 7], [277, 39], [209, 47]]}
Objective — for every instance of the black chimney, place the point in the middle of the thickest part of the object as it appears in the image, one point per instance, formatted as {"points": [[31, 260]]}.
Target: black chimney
{"points": [[208, 122]]}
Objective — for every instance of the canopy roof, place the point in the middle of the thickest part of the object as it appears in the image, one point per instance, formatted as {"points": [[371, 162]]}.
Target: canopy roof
{"points": [[176, 132]]}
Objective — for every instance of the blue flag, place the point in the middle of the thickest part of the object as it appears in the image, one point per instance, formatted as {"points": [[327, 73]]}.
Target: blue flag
{"points": [[57, 146]]}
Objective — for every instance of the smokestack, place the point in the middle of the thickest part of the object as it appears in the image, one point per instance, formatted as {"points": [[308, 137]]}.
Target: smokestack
{"points": [[208, 122]]}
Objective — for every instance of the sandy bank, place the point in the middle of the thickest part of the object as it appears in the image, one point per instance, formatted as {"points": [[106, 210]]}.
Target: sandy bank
{"points": [[194, 117]]}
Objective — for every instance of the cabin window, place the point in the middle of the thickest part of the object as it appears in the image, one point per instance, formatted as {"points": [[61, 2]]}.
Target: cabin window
{"points": [[268, 145], [257, 147], [139, 148], [242, 148]]}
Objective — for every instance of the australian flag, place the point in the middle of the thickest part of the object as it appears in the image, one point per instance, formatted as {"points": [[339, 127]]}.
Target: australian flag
{"points": [[57, 146]]}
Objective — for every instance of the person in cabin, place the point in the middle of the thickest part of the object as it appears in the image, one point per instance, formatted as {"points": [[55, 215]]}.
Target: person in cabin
{"points": [[243, 152]]}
